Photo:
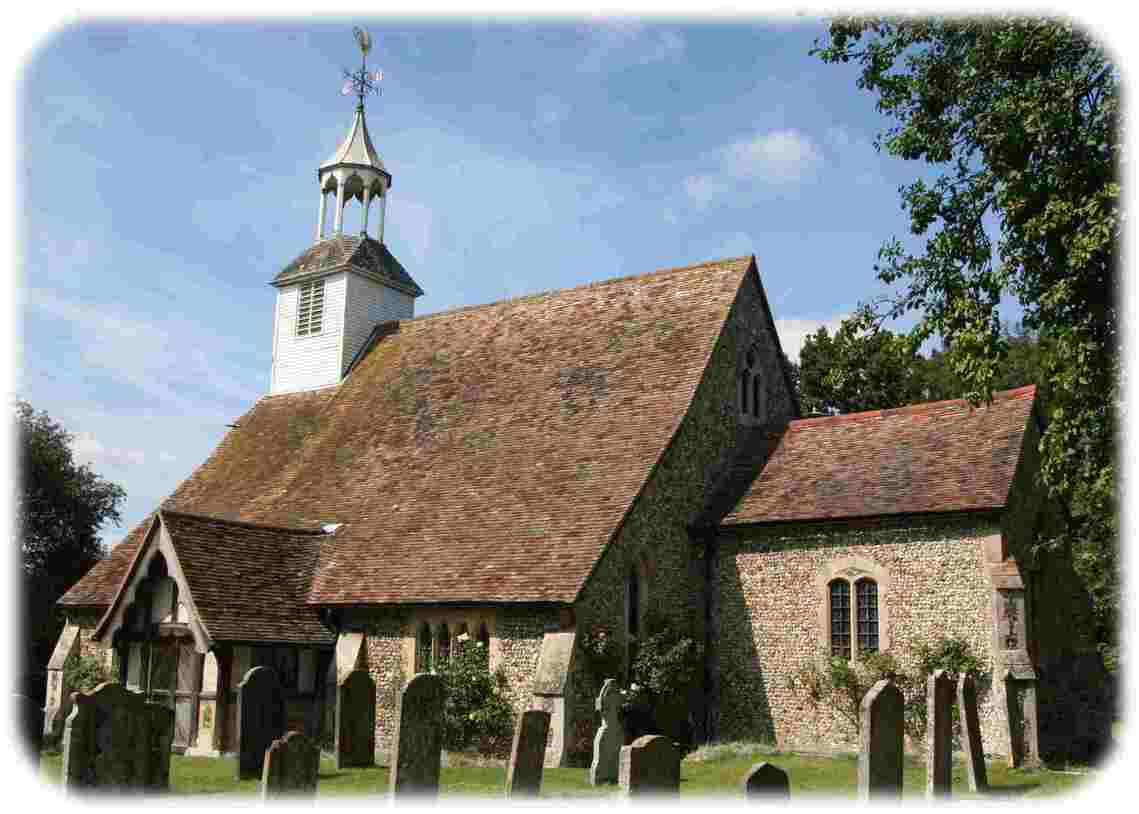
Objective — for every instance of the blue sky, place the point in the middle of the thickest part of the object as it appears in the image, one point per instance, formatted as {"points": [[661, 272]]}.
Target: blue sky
{"points": [[168, 172]]}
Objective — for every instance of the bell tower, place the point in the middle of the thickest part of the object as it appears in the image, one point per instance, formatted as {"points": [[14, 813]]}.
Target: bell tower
{"points": [[331, 297]]}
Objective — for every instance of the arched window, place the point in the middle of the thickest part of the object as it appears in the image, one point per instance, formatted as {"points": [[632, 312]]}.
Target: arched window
{"points": [[443, 637], [752, 399], [423, 650], [633, 599], [840, 618], [866, 594]]}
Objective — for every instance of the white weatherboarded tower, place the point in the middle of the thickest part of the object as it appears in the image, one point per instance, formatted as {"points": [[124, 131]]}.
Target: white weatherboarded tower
{"points": [[331, 297]]}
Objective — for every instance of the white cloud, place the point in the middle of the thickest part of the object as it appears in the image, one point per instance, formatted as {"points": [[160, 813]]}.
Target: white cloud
{"points": [[781, 155], [794, 331], [88, 450], [776, 158]]}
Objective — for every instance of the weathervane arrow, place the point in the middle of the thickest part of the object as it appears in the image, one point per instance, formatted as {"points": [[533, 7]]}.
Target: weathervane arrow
{"points": [[363, 81]]}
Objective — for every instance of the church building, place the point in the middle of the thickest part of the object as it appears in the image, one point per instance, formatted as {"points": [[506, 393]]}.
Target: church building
{"points": [[528, 471]]}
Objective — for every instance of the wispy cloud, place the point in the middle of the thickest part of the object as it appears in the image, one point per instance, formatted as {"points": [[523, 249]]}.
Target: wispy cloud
{"points": [[625, 44], [777, 157], [89, 450]]}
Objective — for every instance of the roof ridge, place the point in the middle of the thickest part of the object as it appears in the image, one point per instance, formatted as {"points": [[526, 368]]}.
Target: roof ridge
{"points": [[595, 284], [243, 523], [908, 409]]}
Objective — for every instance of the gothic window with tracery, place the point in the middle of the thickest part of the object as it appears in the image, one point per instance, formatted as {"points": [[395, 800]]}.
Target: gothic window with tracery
{"points": [[752, 398]]}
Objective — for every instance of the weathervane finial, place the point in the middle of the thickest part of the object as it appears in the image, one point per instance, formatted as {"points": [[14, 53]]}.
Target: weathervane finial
{"points": [[363, 81]]}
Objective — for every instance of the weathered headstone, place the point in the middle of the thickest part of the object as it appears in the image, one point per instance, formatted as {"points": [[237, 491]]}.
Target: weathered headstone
{"points": [[418, 737], [527, 754], [291, 766], [938, 735], [767, 781], [114, 741], [880, 753], [31, 718], [356, 720], [610, 736], [650, 765], [260, 719], [971, 734]]}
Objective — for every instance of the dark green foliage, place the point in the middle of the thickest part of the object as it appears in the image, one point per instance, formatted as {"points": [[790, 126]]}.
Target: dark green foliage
{"points": [[476, 713], [602, 653], [60, 506], [665, 672], [1021, 118], [84, 672]]}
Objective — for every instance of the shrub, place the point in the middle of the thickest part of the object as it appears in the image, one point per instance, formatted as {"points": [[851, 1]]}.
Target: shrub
{"points": [[84, 672], [602, 654], [840, 684], [666, 668], [476, 713]]}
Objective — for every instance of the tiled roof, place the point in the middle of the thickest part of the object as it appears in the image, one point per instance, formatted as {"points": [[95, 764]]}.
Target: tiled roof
{"points": [[935, 457], [97, 587], [343, 252], [249, 582], [487, 453]]}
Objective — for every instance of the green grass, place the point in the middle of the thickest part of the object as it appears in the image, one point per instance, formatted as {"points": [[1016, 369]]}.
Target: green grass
{"points": [[721, 774]]}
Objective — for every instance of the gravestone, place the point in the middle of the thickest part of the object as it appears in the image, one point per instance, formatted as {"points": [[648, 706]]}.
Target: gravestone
{"points": [[971, 734], [418, 737], [31, 719], [880, 752], [650, 765], [938, 735], [260, 719], [291, 766], [528, 754], [114, 741], [767, 781], [610, 736], [356, 720]]}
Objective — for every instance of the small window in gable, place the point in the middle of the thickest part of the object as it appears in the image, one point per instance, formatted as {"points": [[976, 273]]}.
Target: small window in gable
{"points": [[310, 308], [751, 387]]}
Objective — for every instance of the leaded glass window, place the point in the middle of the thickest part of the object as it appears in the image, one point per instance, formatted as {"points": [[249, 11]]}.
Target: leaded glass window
{"points": [[840, 618], [867, 594]]}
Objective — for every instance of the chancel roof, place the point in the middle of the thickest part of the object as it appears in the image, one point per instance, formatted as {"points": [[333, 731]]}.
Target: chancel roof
{"points": [[484, 454], [939, 456]]}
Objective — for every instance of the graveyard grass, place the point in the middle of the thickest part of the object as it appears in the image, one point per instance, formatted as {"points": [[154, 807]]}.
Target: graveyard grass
{"points": [[721, 773]]}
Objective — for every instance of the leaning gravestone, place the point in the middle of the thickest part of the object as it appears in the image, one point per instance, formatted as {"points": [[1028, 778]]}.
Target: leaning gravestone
{"points": [[650, 765], [260, 719], [767, 781], [356, 720], [880, 755], [31, 718], [418, 737], [938, 735], [292, 764], [610, 736], [971, 734], [528, 754], [114, 741]]}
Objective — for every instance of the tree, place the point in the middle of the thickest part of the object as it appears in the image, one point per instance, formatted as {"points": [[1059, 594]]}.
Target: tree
{"points": [[1021, 117], [60, 507]]}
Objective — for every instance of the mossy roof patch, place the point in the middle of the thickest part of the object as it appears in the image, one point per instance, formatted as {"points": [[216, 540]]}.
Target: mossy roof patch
{"points": [[942, 456]]}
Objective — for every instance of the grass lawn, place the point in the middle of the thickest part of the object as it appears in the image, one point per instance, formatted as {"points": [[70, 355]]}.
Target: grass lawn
{"points": [[830, 776]]}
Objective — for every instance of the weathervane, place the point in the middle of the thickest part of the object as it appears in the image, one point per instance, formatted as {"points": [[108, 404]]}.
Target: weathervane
{"points": [[363, 81]]}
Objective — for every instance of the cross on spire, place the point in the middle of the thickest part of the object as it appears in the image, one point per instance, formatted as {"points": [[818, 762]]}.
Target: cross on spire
{"points": [[363, 81]]}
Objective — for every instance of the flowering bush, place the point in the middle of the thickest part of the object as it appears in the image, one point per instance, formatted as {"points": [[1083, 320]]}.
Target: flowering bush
{"points": [[666, 668], [476, 713], [602, 654]]}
